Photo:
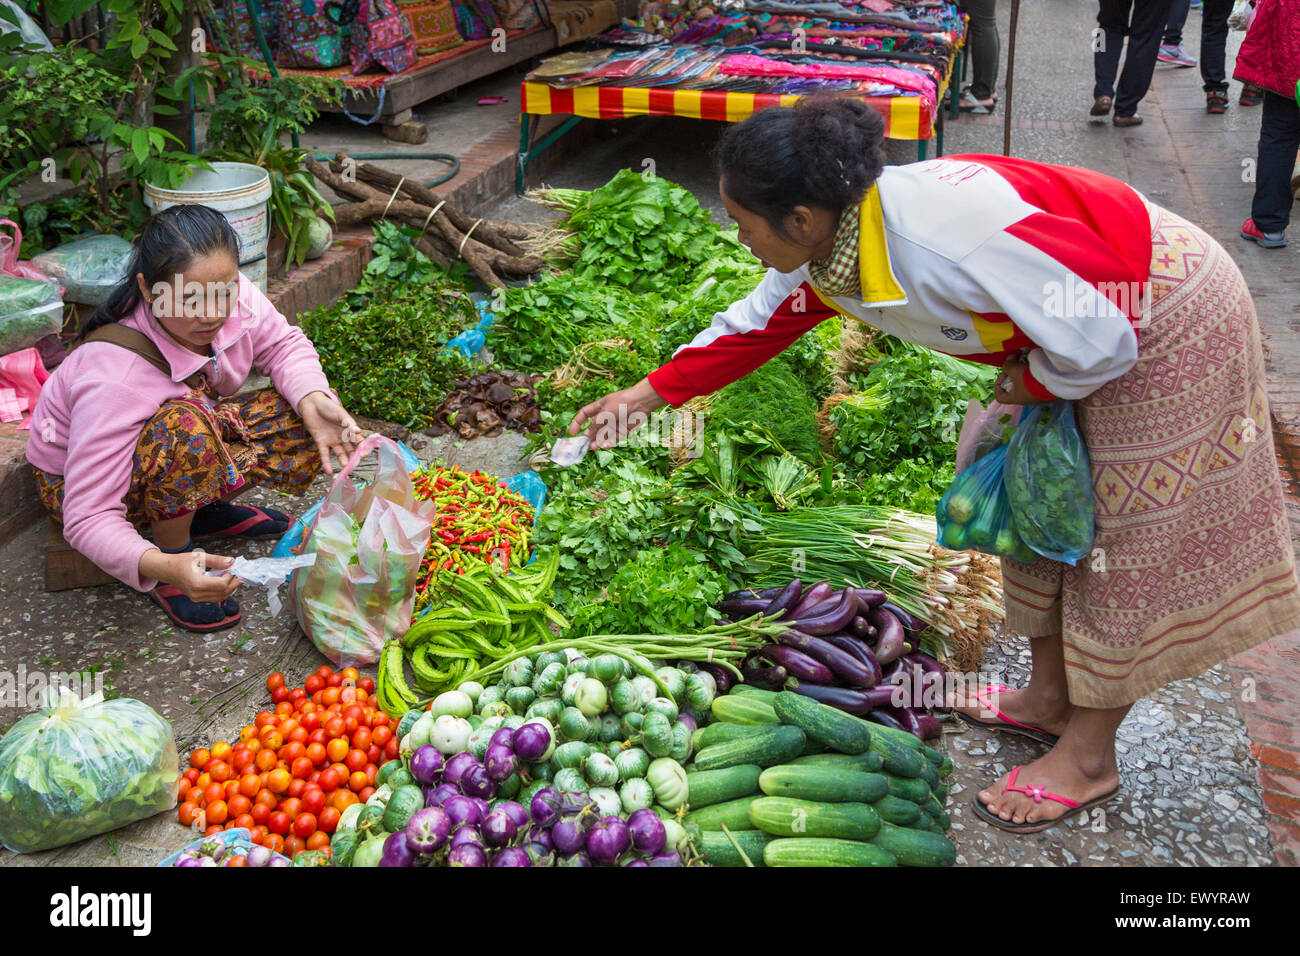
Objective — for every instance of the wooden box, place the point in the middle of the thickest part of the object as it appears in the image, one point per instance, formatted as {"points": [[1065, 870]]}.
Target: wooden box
{"points": [[65, 568]]}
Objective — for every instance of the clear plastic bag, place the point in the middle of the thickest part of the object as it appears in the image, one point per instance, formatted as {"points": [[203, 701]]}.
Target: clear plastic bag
{"points": [[29, 311], [974, 514], [983, 429], [89, 268], [1049, 480], [369, 542], [78, 768]]}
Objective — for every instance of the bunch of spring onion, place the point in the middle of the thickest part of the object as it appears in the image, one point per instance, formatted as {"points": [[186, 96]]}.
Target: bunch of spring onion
{"points": [[958, 593]]}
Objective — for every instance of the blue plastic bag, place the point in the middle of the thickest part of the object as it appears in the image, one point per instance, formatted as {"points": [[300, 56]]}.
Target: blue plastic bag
{"points": [[470, 342], [974, 514], [1049, 482]]}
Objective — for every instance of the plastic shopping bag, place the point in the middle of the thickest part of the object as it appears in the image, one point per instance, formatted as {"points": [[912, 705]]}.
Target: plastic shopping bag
{"points": [[984, 429], [369, 542], [1049, 480], [89, 268], [78, 768], [975, 513]]}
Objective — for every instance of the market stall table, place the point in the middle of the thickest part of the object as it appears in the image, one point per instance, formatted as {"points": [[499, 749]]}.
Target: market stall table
{"points": [[906, 117]]}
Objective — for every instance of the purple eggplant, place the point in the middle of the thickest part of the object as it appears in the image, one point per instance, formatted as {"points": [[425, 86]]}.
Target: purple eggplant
{"points": [[929, 725], [467, 854], [885, 718], [722, 677], [531, 741], [814, 595], [869, 598], [428, 829], [568, 837], [910, 721], [798, 664], [895, 671], [768, 678], [786, 600], [842, 664], [466, 834], [850, 701], [647, 831], [512, 856], [740, 608], [860, 652], [859, 627], [911, 624], [426, 765], [892, 639], [822, 608], [608, 840], [766, 593], [397, 852], [832, 621], [498, 828], [927, 663]]}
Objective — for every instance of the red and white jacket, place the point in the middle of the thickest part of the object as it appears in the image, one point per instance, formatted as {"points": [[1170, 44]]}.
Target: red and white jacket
{"points": [[974, 256]]}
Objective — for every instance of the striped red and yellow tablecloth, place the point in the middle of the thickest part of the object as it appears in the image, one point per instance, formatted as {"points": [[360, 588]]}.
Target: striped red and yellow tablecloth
{"points": [[906, 117]]}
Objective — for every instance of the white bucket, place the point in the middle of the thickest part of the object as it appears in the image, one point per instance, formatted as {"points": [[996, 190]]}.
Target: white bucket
{"points": [[240, 192]]}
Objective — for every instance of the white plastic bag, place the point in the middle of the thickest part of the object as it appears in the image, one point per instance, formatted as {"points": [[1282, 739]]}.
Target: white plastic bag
{"points": [[89, 268]]}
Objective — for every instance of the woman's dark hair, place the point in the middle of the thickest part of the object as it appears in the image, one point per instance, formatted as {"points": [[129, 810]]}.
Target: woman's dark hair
{"points": [[824, 151], [168, 244]]}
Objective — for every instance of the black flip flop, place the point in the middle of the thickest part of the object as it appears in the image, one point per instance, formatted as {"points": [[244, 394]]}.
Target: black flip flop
{"points": [[1039, 794], [279, 523], [165, 592]]}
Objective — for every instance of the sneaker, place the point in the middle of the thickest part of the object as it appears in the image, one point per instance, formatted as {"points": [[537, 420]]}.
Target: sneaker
{"points": [[1269, 240], [1251, 95], [1175, 55], [1216, 102]]}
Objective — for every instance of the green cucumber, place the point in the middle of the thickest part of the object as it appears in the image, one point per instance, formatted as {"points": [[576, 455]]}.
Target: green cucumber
{"points": [[783, 816], [868, 762], [837, 730], [707, 787], [734, 813], [937, 813], [945, 768], [935, 757], [825, 784], [821, 851], [743, 709], [758, 693], [718, 850], [899, 759], [916, 790], [930, 774], [776, 746], [941, 791], [896, 810], [915, 847], [717, 732]]}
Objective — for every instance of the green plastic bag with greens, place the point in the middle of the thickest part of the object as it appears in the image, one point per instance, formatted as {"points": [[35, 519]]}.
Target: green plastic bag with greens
{"points": [[974, 514], [1049, 482], [78, 768]]}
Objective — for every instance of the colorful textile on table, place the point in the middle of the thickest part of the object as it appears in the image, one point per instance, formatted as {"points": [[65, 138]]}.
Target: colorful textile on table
{"points": [[433, 25], [1193, 559], [749, 64], [192, 453], [233, 15], [475, 19], [381, 36], [838, 273], [311, 37]]}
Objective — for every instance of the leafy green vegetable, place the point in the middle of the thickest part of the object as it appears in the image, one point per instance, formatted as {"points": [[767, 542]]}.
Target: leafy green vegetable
{"points": [[81, 768], [385, 357], [661, 591], [772, 397]]}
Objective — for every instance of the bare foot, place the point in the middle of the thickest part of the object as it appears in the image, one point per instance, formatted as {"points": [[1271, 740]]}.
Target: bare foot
{"points": [[1055, 772], [1025, 706]]}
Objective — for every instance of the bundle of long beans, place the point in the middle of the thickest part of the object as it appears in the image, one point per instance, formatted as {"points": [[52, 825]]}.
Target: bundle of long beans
{"points": [[894, 550]]}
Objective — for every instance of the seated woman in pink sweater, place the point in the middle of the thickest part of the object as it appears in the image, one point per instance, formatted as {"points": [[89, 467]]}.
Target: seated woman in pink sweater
{"points": [[119, 446]]}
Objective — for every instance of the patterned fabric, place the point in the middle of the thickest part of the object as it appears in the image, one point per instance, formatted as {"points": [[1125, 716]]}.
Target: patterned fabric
{"points": [[310, 38], [192, 453], [381, 35], [433, 25], [1193, 560], [838, 274], [234, 14], [475, 19]]}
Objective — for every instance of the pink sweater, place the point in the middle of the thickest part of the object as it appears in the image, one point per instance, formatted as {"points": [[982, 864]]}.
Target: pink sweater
{"points": [[91, 411]]}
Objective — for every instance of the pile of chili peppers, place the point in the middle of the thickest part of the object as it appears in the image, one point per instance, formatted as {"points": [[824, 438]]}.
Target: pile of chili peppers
{"points": [[478, 520]]}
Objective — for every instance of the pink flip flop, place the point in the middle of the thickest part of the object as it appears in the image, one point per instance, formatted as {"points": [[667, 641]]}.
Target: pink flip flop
{"points": [[1039, 794], [1005, 723]]}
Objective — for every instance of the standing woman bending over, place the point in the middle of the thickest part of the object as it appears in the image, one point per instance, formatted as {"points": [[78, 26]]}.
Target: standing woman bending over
{"points": [[974, 256], [140, 429]]}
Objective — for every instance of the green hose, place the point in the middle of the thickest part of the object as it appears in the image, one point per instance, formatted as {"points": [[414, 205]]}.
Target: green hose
{"points": [[255, 16]]}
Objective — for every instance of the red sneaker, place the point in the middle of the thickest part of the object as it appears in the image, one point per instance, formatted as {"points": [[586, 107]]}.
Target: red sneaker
{"points": [[1269, 240]]}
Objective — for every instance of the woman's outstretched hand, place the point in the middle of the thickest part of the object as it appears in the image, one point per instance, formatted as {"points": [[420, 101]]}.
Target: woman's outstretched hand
{"points": [[331, 426], [610, 419]]}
